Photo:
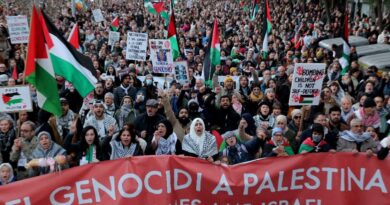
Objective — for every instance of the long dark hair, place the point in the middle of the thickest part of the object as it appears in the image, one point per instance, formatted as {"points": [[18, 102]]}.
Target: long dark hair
{"points": [[83, 143], [130, 127]]}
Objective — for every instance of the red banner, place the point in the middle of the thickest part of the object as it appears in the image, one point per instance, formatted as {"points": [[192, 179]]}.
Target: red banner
{"points": [[311, 179]]}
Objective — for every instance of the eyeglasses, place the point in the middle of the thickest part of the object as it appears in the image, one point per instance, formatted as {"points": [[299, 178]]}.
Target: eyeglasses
{"points": [[297, 117]]}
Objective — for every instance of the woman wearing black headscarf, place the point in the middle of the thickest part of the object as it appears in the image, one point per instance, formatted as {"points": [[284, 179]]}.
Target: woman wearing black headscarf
{"points": [[165, 141]]}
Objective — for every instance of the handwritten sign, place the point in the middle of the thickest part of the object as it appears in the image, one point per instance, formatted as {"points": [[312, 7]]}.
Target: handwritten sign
{"points": [[307, 84], [18, 29], [137, 44]]}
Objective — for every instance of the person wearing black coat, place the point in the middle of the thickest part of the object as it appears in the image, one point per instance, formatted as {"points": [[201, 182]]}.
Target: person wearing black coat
{"points": [[88, 149], [145, 124], [226, 118]]}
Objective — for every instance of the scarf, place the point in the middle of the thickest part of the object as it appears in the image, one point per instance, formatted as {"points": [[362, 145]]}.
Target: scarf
{"points": [[119, 151], [354, 137], [6, 140], [91, 153], [203, 146], [125, 89], [255, 98], [167, 146], [369, 120], [237, 107]]}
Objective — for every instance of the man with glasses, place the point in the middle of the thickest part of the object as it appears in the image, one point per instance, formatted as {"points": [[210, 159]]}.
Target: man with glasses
{"points": [[23, 147], [356, 140]]}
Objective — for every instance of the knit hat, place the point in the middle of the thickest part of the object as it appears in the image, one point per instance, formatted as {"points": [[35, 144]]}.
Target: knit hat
{"points": [[369, 102], [277, 130], [317, 128], [296, 112], [44, 133], [228, 78], [228, 135]]}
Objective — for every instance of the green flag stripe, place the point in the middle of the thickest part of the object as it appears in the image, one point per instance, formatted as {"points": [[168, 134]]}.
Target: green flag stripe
{"points": [[269, 26], [175, 47], [15, 101], [289, 150], [68, 71], [305, 147], [307, 101], [46, 85], [215, 56]]}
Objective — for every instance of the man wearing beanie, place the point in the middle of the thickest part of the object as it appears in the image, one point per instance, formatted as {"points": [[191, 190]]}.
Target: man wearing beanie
{"points": [[315, 143], [277, 145], [368, 114]]}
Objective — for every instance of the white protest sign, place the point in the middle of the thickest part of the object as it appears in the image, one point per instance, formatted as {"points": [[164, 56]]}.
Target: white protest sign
{"points": [[159, 82], [307, 83], [15, 98], [18, 29], [113, 37], [161, 56], [97, 15], [137, 45], [181, 72]]}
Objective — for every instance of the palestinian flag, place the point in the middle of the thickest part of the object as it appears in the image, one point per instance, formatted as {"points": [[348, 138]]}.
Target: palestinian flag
{"points": [[306, 99], [267, 28], [12, 98], [308, 145], [172, 35], [215, 52], [255, 9], [157, 8], [212, 55], [287, 147], [73, 38], [67, 61], [39, 69], [115, 24], [344, 60]]}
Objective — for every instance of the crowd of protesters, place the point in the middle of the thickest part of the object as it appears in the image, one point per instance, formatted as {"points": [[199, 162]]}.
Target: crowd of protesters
{"points": [[221, 124]]}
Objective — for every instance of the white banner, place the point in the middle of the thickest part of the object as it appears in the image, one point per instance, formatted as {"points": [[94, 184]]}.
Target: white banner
{"points": [[161, 56], [307, 84], [97, 15], [137, 45], [18, 29], [113, 37], [15, 98]]}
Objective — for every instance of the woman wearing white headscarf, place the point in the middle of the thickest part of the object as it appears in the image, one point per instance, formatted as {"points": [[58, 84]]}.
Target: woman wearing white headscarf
{"points": [[199, 143]]}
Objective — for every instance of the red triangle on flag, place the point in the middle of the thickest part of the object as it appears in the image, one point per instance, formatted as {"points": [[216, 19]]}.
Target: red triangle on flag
{"points": [[74, 37], [15, 73], [159, 7]]}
